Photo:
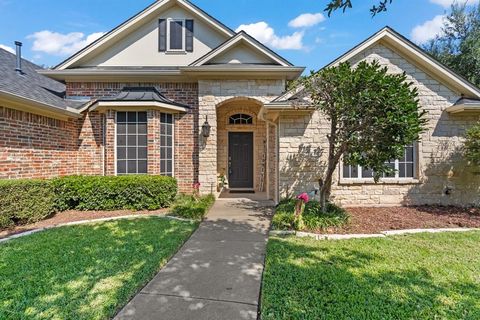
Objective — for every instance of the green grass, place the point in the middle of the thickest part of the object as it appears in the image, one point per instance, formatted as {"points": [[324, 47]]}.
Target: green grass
{"points": [[84, 272], [189, 207], [423, 276]]}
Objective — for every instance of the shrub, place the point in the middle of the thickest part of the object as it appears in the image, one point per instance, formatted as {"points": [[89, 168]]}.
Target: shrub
{"points": [[313, 217], [25, 201], [114, 193], [189, 207]]}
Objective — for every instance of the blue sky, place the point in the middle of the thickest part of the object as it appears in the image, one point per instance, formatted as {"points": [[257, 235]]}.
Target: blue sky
{"points": [[52, 29]]}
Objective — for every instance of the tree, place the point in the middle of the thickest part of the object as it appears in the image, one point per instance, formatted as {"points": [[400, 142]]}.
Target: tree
{"points": [[335, 5], [458, 47], [373, 115], [472, 145]]}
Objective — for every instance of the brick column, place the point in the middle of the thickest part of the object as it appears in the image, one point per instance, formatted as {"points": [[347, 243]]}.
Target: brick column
{"points": [[153, 140], [110, 143]]}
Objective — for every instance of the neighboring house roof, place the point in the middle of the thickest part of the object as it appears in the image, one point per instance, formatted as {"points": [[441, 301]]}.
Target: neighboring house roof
{"points": [[32, 88], [242, 37], [137, 19], [139, 96], [402, 45]]}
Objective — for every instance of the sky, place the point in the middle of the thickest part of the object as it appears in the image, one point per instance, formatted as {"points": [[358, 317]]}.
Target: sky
{"points": [[299, 30]]}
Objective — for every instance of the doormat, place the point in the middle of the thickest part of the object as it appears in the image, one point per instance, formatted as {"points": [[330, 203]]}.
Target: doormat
{"points": [[241, 191]]}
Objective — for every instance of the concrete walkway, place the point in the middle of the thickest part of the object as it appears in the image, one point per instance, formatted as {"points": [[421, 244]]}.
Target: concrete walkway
{"points": [[217, 273]]}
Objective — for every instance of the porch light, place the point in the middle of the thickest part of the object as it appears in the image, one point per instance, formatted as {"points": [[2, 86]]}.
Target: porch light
{"points": [[206, 128]]}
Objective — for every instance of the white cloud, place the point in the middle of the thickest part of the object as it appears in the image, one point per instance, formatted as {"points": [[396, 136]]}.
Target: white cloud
{"points": [[7, 48], [61, 44], [265, 34], [428, 30], [448, 3], [307, 20]]}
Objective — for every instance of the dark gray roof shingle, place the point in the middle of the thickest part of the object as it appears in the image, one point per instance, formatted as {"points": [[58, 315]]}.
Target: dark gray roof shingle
{"points": [[142, 94], [32, 85]]}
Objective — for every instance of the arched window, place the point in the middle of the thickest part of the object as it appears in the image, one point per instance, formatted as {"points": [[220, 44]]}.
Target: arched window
{"points": [[241, 118]]}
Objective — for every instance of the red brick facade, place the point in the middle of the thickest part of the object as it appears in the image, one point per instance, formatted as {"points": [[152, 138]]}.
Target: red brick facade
{"points": [[37, 146]]}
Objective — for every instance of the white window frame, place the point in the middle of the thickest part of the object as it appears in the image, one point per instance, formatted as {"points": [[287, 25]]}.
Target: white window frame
{"points": [[173, 142], [359, 177], [116, 145], [183, 49]]}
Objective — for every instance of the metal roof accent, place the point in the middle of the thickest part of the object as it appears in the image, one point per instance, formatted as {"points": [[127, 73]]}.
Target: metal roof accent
{"points": [[142, 94]]}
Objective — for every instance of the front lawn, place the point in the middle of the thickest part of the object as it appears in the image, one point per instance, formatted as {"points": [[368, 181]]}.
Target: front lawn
{"points": [[87, 271], [422, 276]]}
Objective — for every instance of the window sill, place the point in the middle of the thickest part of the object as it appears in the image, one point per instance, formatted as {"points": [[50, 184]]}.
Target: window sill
{"points": [[179, 52], [393, 181]]}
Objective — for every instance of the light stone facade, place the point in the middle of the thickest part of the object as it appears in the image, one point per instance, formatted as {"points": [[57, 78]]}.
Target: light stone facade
{"points": [[212, 95], [443, 177]]}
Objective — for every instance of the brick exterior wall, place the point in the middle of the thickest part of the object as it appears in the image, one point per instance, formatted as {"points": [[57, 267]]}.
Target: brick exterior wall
{"points": [[185, 134], [303, 150], [35, 146]]}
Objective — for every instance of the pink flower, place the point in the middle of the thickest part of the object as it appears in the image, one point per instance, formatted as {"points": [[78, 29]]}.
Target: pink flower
{"points": [[303, 197], [196, 185]]}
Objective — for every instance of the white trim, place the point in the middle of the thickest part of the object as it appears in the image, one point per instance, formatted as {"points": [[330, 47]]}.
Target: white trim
{"points": [[464, 108], [183, 49], [144, 15], [241, 36]]}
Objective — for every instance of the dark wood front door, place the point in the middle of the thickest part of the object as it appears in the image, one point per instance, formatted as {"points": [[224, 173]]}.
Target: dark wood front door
{"points": [[240, 159]]}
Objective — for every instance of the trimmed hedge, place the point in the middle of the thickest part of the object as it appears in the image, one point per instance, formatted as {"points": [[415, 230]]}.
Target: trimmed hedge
{"points": [[114, 192], [188, 207], [28, 200], [25, 201]]}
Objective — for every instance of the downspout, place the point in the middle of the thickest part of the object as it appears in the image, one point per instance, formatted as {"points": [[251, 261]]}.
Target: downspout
{"points": [[261, 116]]}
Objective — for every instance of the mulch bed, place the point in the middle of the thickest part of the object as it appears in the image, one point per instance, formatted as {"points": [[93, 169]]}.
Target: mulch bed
{"points": [[73, 216], [374, 220]]}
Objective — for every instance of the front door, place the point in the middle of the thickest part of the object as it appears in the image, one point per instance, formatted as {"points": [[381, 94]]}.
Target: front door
{"points": [[240, 160]]}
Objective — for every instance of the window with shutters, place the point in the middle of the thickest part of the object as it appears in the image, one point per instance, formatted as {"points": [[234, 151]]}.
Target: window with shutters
{"points": [[175, 35]]}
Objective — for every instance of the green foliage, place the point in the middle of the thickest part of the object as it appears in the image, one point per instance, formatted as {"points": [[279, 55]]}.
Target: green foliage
{"points": [[190, 207], [472, 144], [114, 192], [25, 201], [458, 46], [85, 272], [334, 5], [313, 218], [422, 276], [373, 115]]}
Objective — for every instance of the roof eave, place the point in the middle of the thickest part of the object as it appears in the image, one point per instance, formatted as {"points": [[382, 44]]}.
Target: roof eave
{"points": [[124, 105], [464, 108], [41, 107]]}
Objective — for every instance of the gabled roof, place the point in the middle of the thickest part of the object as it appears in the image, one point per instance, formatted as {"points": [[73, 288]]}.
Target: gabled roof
{"points": [[136, 20], [242, 37], [32, 88], [405, 47]]}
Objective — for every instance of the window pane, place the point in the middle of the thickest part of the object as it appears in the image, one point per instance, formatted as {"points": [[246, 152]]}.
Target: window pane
{"points": [[166, 144], [142, 117], [346, 171], [367, 173], [176, 35], [132, 153], [142, 140], [132, 128], [131, 140], [121, 140], [121, 117], [122, 167], [409, 153], [122, 128], [409, 170], [132, 166], [142, 128], [142, 167], [121, 153], [142, 153], [401, 170], [132, 117], [391, 165]]}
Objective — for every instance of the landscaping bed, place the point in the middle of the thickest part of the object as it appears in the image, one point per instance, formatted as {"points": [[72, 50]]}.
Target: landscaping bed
{"points": [[374, 220], [86, 271], [421, 276]]}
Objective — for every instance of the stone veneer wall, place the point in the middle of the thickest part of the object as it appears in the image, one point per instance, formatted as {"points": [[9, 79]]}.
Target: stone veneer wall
{"points": [[185, 134], [213, 93], [440, 164], [259, 132]]}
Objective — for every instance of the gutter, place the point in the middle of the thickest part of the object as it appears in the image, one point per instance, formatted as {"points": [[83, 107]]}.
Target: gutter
{"points": [[68, 112]]}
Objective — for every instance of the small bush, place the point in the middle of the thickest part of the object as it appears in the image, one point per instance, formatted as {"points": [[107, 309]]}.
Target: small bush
{"points": [[188, 207], [25, 201], [114, 192], [313, 217]]}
